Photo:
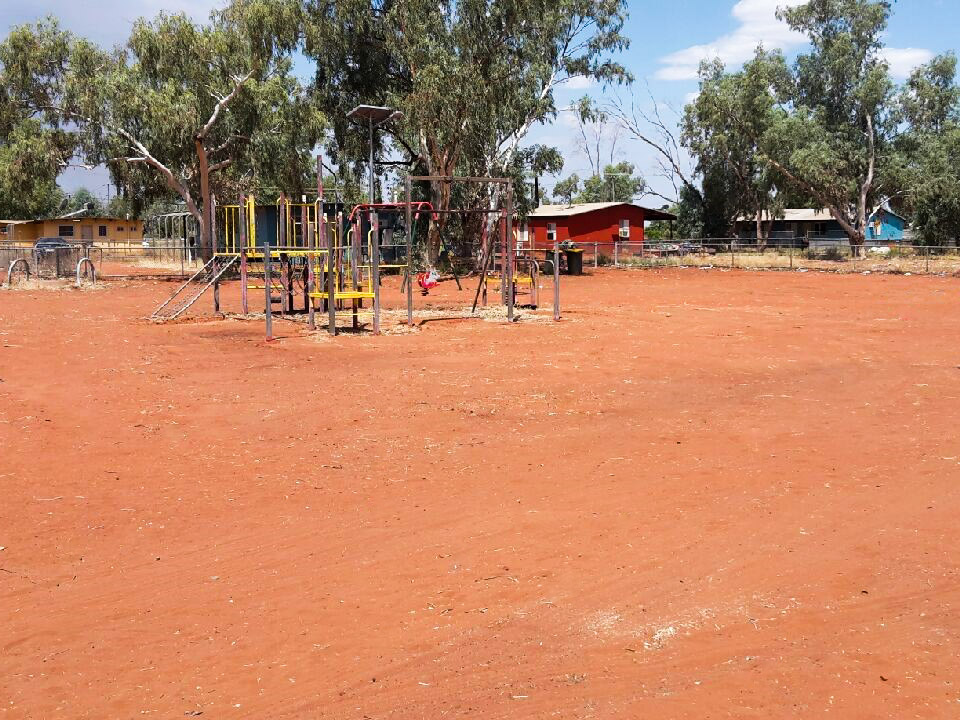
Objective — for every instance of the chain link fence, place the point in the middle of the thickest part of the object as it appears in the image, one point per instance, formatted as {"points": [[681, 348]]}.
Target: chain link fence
{"points": [[825, 254]]}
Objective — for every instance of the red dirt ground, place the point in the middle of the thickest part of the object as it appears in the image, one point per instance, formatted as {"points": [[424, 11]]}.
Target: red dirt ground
{"points": [[702, 495]]}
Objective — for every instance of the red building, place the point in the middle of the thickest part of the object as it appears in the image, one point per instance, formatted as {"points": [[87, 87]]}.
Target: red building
{"points": [[588, 223]]}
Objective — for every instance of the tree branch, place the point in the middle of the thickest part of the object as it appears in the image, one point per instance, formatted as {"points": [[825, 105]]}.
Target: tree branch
{"points": [[224, 102]]}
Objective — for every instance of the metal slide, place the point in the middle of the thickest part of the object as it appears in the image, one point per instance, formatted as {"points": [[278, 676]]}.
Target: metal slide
{"points": [[191, 291]]}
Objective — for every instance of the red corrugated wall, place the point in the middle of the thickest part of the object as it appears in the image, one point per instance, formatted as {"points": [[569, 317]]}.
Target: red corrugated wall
{"points": [[600, 226]]}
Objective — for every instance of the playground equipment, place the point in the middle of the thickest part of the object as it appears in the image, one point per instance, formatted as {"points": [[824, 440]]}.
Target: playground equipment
{"points": [[309, 256], [497, 268]]}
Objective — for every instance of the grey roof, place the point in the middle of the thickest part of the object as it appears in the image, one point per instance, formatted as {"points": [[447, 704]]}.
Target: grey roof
{"points": [[552, 211], [809, 215]]}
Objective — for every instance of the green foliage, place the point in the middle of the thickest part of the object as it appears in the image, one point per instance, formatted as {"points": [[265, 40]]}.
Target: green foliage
{"points": [[81, 198], [531, 163], [722, 128], [30, 161], [618, 184], [930, 99], [182, 109], [471, 77], [34, 145], [927, 151], [566, 190], [823, 131], [934, 181]]}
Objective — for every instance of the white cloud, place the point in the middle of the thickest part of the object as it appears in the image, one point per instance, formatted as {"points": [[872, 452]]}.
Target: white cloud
{"points": [[579, 82], [758, 25], [107, 22], [902, 61]]}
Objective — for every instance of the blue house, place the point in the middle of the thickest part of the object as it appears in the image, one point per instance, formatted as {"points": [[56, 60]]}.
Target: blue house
{"points": [[883, 226]]}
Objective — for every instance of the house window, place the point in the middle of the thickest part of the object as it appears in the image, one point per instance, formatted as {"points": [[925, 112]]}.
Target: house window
{"points": [[65, 231], [551, 232], [102, 231], [624, 229]]}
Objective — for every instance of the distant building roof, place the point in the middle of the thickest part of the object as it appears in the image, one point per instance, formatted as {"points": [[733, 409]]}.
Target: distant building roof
{"points": [[808, 215], [552, 211], [108, 218], [66, 220]]}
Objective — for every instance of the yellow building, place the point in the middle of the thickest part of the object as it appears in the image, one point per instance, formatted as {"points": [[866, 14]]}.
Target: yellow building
{"points": [[96, 230]]}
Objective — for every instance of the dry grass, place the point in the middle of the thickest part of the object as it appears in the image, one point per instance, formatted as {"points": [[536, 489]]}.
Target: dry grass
{"points": [[895, 264]]}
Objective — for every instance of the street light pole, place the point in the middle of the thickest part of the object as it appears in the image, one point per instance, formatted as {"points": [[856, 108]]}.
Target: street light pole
{"points": [[373, 199]]}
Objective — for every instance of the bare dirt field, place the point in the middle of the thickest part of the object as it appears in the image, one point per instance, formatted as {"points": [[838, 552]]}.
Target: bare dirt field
{"points": [[704, 494]]}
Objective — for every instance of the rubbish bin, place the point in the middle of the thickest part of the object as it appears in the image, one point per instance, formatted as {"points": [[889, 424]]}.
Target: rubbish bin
{"points": [[574, 261]]}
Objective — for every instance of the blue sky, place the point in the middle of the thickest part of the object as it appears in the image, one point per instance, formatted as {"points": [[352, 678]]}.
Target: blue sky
{"points": [[668, 39]]}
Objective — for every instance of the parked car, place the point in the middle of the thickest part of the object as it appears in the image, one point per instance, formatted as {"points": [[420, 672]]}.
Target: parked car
{"points": [[47, 245]]}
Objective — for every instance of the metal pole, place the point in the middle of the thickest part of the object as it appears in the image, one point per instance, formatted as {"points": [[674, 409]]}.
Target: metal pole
{"points": [[356, 259], [183, 248], [305, 241], [268, 312], [616, 253], [281, 245], [511, 250], [244, 302], [503, 255], [926, 251], [322, 218], [373, 199], [331, 289], [311, 257], [213, 240], [595, 251], [409, 255], [375, 269], [556, 281]]}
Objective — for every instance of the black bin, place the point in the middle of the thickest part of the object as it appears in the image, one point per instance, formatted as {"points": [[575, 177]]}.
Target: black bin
{"points": [[574, 261]]}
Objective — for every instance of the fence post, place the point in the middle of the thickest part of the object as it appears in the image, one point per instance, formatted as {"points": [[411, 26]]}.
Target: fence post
{"points": [[556, 281], [269, 290], [596, 260], [732, 257], [616, 253], [791, 255], [926, 251]]}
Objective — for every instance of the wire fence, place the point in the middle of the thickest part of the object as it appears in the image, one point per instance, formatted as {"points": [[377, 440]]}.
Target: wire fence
{"points": [[827, 254], [43, 263], [180, 259]]}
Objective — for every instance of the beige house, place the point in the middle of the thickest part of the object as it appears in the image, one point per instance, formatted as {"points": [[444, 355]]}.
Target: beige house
{"points": [[96, 230]]}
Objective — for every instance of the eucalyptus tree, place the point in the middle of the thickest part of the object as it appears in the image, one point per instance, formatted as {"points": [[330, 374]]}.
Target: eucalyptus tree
{"points": [[723, 128], [35, 144], [567, 188], [929, 150], [186, 108], [615, 183], [207, 107], [834, 138], [470, 76]]}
